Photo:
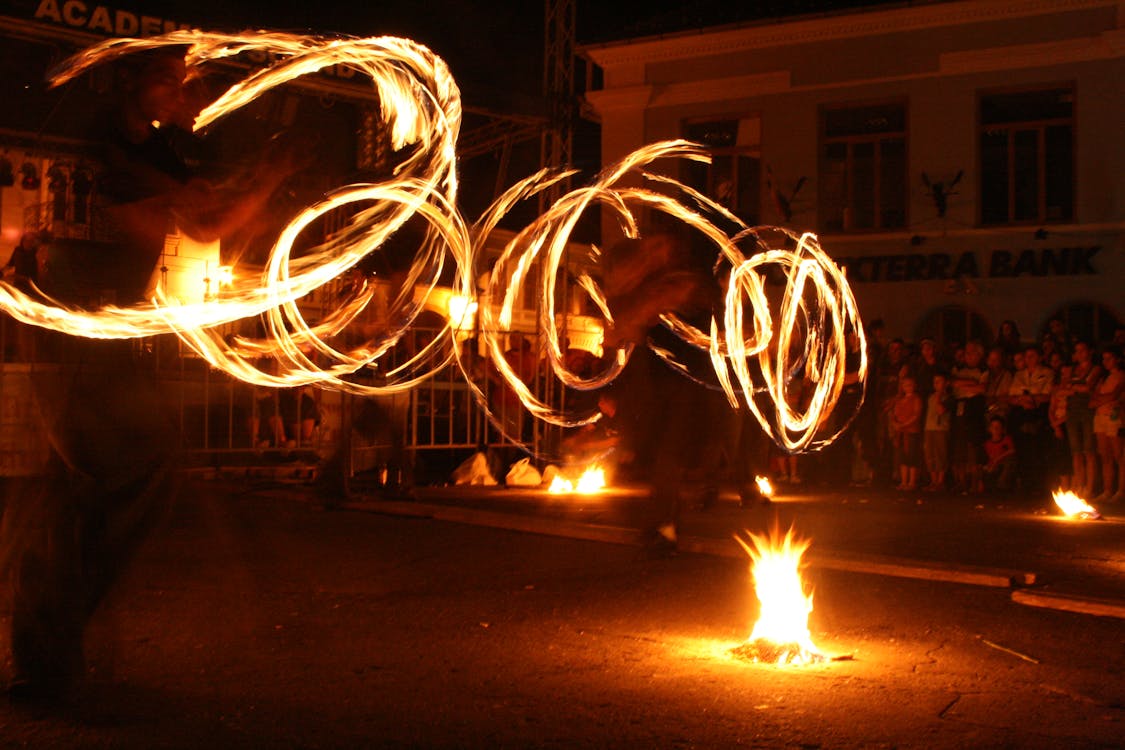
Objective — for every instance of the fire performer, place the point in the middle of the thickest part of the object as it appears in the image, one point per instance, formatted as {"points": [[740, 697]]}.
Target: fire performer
{"points": [[68, 534], [659, 408]]}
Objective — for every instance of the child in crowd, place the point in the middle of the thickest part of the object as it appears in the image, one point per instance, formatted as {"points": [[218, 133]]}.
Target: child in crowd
{"points": [[999, 471], [935, 441], [906, 418]]}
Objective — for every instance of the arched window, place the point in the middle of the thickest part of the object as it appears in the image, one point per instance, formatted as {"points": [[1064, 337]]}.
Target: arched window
{"points": [[954, 324], [1088, 321]]}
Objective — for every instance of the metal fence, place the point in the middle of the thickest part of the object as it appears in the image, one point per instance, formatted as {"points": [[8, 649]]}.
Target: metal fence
{"points": [[223, 422]]}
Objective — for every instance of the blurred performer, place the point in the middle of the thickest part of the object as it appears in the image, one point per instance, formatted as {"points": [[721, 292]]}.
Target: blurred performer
{"points": [[598, 443], [659, 408], [68, 535], [378, 420]]}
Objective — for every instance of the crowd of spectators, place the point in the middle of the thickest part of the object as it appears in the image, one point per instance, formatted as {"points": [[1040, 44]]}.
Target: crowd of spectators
{"points": [[1006, 416]]}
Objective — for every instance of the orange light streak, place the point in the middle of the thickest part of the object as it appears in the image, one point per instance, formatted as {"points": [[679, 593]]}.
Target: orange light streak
{"points": [[755, 345]]}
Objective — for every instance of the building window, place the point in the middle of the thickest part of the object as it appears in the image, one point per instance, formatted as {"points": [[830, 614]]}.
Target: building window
{"points": [[863, 168], [1027, 156], [733, 179]]}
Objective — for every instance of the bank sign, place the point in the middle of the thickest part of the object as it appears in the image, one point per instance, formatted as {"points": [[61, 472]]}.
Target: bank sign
{"points": [[997, 264]]}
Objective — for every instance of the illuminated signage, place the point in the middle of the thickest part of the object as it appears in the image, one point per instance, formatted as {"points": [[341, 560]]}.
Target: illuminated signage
{"points": [[1001, 264], [103, 19]]}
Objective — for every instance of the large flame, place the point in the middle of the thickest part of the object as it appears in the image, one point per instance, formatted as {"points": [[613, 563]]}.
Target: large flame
{"points": [[1073, 506], [781, 634], [802, 327]]}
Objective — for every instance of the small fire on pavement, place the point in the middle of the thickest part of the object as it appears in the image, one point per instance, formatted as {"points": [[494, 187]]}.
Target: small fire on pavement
{"points": [[781, 634], [1073, 506], [591, 481], [764, 486]]}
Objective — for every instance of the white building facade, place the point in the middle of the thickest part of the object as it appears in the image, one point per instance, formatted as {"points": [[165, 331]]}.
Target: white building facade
{"points": [[965, 161]]}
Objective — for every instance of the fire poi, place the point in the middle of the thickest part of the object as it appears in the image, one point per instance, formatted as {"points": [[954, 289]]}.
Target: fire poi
{"points": [[1073, 506], [805, 322], [781, 634], [764, 486]]}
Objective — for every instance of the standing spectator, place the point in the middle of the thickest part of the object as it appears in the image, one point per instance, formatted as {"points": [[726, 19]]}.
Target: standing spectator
{"points": [[1058, 338], [293, 417], [840, 457], [1055, 361], [1059, 462], [1027, 418], [935, 440], [1106, 402], [1051, 354], [1001, 452], [999, 383], [1084, 379], [508, 409], [1018, 362], [928, 363], [25, 262], [25, 271], [968, 429], [906, 416], [868, 425], [1008, 340], [882, 456]]}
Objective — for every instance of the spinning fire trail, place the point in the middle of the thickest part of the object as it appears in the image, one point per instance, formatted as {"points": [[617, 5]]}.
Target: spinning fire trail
{"points": [[769, 331]]}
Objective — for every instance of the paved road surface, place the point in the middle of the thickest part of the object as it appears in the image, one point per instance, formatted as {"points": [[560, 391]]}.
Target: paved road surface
{"points": [[1084, 558], [254, 619]]}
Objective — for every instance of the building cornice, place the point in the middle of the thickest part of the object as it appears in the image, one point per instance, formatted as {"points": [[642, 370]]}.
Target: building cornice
{"points": [[1101, 47], [625, 97], [707, 42], [698, 92]]}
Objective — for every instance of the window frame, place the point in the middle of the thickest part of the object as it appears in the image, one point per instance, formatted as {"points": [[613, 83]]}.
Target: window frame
{"points": [[1039, 126], [823, 141], [733, 152]]}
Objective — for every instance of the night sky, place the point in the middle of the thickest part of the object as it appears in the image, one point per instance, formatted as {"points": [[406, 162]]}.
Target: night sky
{"points": [[494, 48]]}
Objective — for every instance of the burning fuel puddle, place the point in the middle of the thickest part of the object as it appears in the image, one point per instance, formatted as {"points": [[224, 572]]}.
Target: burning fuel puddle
{"points": [[781, 654]]}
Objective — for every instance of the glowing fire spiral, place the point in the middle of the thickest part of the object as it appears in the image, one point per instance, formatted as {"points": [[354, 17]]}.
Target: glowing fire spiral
{"points": [[797, 330]]}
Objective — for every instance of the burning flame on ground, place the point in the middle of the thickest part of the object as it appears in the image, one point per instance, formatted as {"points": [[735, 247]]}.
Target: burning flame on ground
{"points": [[1073, 506], [781, 634], [802, 329], [764, 486], [591, 481]]}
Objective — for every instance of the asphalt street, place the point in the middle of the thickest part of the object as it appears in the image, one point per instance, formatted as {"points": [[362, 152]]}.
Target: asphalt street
{"points": [[254, 618], [1025, 534]]}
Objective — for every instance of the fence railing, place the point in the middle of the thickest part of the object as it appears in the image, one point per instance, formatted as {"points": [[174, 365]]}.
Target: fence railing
{"points": [[222, 421]]}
